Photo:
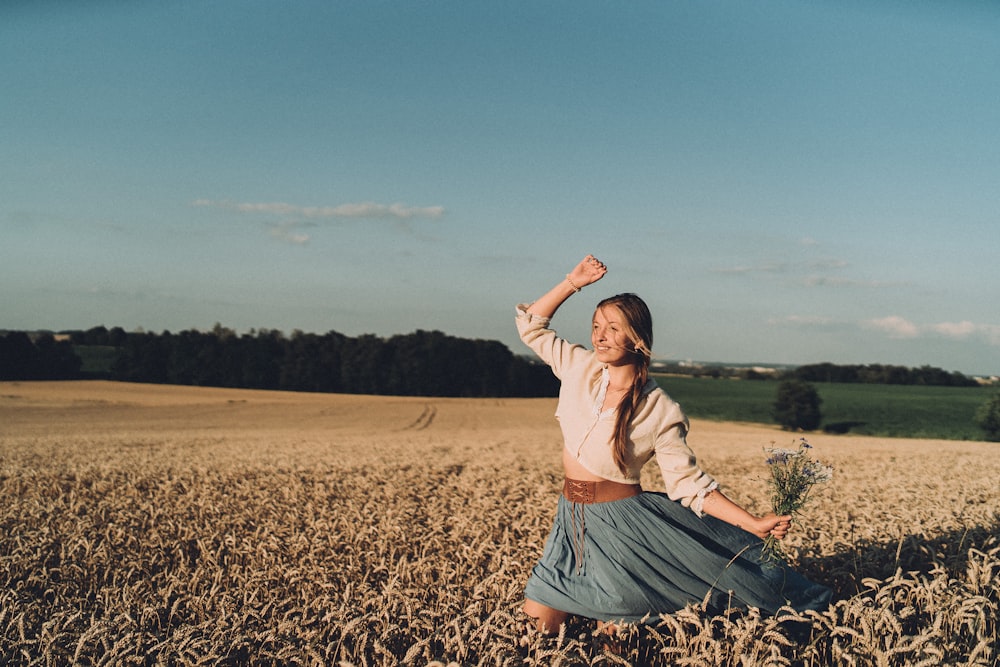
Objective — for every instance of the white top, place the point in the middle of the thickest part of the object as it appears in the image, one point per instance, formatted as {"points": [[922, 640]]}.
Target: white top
{"points": [[658, 428]]}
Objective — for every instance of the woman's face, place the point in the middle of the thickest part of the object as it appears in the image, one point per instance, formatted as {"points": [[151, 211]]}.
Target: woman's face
{"points": [[608, 337]]}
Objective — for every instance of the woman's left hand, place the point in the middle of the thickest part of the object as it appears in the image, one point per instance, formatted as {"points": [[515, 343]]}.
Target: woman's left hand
{"points": [[772, 525]]}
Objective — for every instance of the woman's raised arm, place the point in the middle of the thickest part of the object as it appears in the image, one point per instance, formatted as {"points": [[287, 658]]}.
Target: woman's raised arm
{"points": [[588, 271]]}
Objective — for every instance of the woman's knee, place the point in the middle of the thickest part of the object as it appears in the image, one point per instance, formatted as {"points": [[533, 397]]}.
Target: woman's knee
{"points": [[547, 620]]}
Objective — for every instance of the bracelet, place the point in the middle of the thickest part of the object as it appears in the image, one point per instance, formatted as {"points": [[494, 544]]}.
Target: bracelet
{"points": [[571, 284]]}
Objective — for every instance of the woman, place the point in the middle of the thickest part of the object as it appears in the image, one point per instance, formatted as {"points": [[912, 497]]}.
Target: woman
{"points": [[617, 553]]}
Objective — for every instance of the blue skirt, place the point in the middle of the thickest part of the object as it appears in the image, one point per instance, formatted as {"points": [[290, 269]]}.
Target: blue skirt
{"points": [[633, 559]]}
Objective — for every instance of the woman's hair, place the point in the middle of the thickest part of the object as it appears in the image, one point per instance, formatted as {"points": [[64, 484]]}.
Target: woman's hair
{"points": [[637, 325]]}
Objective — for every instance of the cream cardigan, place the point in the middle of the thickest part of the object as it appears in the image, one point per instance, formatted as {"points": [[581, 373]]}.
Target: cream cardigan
{"points": [[658, 428]]}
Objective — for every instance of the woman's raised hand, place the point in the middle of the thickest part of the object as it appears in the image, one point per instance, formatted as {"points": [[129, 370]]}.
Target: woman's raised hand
{"points": [[588, 271]]}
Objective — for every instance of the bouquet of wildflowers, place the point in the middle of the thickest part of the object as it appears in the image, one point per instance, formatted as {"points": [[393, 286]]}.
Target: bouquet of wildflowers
{"points": [[793, 475]]}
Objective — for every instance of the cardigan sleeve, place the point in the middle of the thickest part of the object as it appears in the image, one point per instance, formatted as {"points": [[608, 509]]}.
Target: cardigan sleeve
{"points": [[543, 341]]}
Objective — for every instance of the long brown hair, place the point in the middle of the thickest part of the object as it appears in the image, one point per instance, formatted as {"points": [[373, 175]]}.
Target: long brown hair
{"points": [[637, 325]]}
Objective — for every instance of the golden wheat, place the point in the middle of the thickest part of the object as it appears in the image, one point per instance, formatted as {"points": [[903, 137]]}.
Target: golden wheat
{"points": [[181, 526]]}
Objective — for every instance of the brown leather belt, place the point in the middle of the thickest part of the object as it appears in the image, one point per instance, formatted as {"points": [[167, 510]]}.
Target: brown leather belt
{"points": [[580, 491]]}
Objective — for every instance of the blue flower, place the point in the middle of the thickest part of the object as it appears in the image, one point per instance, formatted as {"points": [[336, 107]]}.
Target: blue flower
{"points": [[793, 474]]}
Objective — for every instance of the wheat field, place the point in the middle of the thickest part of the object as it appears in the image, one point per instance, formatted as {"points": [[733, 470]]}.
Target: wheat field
{"points": [[152, 525]]}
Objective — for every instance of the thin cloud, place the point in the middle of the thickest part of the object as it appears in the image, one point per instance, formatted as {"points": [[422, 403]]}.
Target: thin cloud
{"points": [[893, 326], [802, 320], [288, 232], [785, 267], [292, 217], [395, 211], [828, 264], [840, 281], [819, 273], [965, 329], [760, 268], [898, 327], [957, 330]]}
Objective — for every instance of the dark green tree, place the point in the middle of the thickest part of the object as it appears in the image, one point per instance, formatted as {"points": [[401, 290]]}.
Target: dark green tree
{"points": [[312, 363], [797, 406], [364, 361], [45, 358], [988, 418], [117, 337], [145, 357], [57, 360], [261, 359], [95, 336], [19, 358]]}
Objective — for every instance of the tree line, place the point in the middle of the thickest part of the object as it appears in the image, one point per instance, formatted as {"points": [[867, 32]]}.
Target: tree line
{"points": [[423, 363], [42, 357], [879, 374]]}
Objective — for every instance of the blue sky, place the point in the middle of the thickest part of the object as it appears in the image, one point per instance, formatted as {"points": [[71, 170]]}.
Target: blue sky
{"points": [[785, 182]]}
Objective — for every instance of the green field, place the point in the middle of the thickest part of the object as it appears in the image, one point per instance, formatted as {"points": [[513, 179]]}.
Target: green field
{"points": [[865, 409]]}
